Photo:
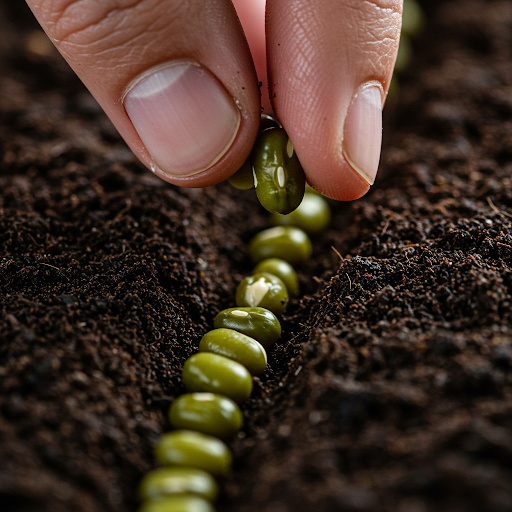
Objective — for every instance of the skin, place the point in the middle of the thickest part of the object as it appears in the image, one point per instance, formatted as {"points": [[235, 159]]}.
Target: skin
{"points": [[109, 43]]}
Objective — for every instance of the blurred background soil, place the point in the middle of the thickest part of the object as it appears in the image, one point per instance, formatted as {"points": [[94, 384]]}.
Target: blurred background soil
{"points": [[391, 388]]}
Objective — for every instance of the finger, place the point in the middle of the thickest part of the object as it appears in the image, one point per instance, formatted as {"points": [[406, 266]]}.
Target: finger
{"points": [[330, 64], [176, 79], [252, 17]]}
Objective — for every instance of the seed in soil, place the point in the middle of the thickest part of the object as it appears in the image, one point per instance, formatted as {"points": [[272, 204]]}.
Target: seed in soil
{"points": [[413, 18], [284, 242], [236, 346], [208, 413], [176, 480], [217, 374], [278, 175], [187, 448], [281, 269], [258, 323], [263, 290], [312, 215], [179, 503]]}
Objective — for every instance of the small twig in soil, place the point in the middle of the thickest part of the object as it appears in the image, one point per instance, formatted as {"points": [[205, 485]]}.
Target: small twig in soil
{"points": [[56, 268], [122, 212], [48, 265], [495, 209], [33, 240], [337, 253]]}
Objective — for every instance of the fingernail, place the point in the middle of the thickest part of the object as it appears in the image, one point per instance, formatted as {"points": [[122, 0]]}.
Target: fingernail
{"points": [[184, 116], [363, 133]]}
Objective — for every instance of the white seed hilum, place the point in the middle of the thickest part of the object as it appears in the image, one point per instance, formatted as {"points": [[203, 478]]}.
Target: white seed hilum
{"points": [[256, 291], [281, 177], [289, 148], [239, 313]]}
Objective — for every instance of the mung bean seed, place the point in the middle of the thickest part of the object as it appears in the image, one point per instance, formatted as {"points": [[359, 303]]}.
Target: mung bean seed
{"points": [[263, 290], [193, 449], [284, 242], [178, 480], [267, 121], [217, 374], [312, 215], [208, 413], [281, 269], [278, 175], [412, 18], [237, 346], [179, 503], [258, 323], [243, 179]]}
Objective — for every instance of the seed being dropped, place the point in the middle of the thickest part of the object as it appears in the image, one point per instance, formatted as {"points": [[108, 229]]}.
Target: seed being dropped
{"points": [[278, 175]]}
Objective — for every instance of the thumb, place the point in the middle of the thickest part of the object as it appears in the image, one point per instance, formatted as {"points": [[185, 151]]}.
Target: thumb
{"points": [[176, 79], [330, 65]]}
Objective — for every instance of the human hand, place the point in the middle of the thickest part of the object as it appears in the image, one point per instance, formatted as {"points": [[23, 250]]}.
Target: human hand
{"points": [[177, 80]]}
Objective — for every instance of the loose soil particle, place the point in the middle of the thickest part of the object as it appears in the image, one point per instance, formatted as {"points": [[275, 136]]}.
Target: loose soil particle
{"points": [[391, 389]]}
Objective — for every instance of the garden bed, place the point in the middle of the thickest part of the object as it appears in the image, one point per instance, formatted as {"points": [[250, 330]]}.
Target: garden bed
{"points": [[391, 388]]}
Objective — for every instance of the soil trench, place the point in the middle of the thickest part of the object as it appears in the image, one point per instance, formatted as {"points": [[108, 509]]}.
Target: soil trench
{"points": [[391, 388]]}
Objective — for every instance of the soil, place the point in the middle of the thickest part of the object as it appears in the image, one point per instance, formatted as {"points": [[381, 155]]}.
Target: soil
{"points": [[391, 388]]}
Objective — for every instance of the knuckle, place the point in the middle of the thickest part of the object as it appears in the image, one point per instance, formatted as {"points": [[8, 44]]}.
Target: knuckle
{"points": [[106, 23]]}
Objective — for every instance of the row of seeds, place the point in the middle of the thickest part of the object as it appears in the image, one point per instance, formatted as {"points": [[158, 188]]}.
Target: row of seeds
{"points": [[219, 376]]}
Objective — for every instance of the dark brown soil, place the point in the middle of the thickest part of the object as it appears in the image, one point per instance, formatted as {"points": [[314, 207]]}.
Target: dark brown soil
{"points": [[391, 389]]}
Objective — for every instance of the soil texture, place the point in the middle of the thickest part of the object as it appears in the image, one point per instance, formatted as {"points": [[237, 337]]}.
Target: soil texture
{"points": [[391, 388]]}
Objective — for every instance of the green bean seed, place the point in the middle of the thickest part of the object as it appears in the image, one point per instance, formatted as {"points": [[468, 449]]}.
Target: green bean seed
{"points": [[175, 480], [179, 503], [258, 323], [312, 215], [193, 449], [208, 413], [404, 55], [286, 243], [278, 175], [281, 269], [267, 121], [217, 374], [412, 18], [237, 346], [311, 190], [243, 179], [263, 290]]}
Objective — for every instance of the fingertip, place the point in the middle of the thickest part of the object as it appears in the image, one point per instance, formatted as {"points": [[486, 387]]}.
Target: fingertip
{"points": [[177, 81], [340, 181], [328, 82], [184, 116]]}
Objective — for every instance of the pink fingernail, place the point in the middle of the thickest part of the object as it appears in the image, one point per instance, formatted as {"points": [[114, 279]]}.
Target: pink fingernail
{"points": [[184, 116], [363, 133]]}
